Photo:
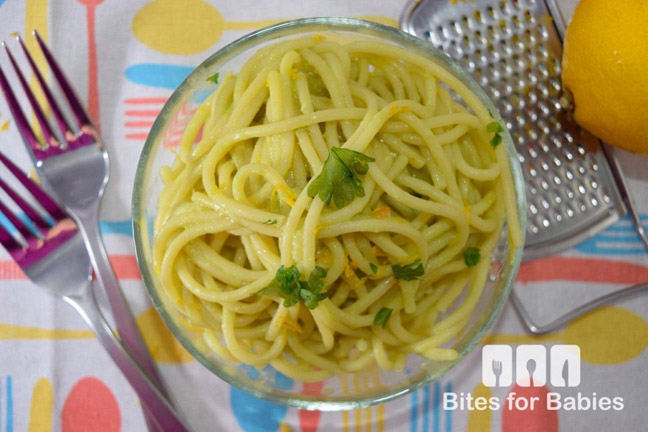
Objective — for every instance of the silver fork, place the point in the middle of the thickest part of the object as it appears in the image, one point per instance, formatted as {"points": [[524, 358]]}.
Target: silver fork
{"points": [[53, 256], [497, 371], [74, 168]]}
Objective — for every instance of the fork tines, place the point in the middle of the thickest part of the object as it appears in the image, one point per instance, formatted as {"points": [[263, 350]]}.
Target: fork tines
{"points": [[52, 146], [38, 240]]}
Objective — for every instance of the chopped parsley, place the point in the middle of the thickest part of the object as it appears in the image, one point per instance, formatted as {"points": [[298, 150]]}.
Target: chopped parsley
{"points": [[496, 129], [374, 268], [270, 222], [408, 272], [213, 78], [287, 285], [339, 177], [382, 316], [471, 256]]}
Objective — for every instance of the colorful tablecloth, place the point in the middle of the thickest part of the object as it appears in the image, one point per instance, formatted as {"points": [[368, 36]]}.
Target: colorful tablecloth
{"points": [[126, 57]]}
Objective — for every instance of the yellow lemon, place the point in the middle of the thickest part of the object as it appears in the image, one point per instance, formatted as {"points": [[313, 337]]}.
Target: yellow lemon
{"points": [[605, 70]]}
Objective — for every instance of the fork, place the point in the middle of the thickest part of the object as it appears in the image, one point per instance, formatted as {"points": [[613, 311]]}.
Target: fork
{"points": [[75, 169], [51, 252], [497, 371]]}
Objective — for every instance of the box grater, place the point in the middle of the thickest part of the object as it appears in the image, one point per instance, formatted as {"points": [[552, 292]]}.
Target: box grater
{"points": [[574, 185]]}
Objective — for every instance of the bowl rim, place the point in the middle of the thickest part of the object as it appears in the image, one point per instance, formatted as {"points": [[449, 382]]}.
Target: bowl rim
{"points": [[322, 24]]}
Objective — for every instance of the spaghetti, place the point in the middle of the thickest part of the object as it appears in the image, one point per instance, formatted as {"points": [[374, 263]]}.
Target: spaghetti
{"points": [[338, 201]]}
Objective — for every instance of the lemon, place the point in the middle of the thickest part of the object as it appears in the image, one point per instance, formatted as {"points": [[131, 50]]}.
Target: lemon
{"points": [[605, 70]]}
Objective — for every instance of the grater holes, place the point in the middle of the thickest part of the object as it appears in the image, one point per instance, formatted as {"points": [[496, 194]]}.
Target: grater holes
{"points": [[517, 44], [517, 22], [454, 49], [580, 149], [491, 14], [439, 35], [554, 84], [477, 15], [520, 122], [569, 212], [465, 43], [542, 69], [466, 23], [480, 77], [469, 64], [533, 209], [454, 29], [544, 89], [533, 136], [480, 39], [528, 17], [504, 29], [546, 112], [517, 62], [569, 175], [491, 34]]}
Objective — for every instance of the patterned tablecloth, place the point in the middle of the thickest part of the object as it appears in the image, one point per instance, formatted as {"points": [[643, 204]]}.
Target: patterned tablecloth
{"points": [[55, 376]]}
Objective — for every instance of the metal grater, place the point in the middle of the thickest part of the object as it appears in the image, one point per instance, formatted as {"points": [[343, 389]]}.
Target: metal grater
{"points": [[574, 186]]}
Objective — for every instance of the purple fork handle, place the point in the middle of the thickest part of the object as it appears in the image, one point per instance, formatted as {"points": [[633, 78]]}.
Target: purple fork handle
{"points": [[162, 413]]}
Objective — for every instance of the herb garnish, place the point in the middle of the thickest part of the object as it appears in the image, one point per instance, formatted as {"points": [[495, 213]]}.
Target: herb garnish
{"points": [[497, 129], [382, 316], [471, 256], [287, 285], [213, 78], [408, 272], [374, 267], [339, 177], [270, 222]]}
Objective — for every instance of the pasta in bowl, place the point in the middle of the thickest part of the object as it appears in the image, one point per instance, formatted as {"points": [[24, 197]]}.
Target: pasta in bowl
{"points": [[341, 199]]}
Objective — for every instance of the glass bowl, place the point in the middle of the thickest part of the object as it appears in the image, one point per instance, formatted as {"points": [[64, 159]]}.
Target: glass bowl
{"points": [[347, 392]]}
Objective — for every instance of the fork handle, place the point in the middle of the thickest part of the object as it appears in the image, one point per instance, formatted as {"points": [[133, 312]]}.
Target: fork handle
{"points": [[162, 413], [88, 221], [124, 320]]}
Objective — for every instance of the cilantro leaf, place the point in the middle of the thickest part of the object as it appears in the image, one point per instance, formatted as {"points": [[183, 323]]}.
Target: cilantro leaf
{"points": [[471, 256], [497, 129], [408, 272], [213, 78], [339, 177], [382, 316], [374, 267], [270, 222], [287, 285]]}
